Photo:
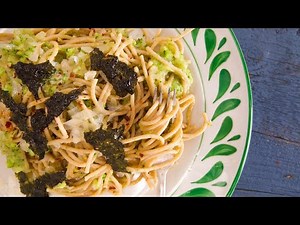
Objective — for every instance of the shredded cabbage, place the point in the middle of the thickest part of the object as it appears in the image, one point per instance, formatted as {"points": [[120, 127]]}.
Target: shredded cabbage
{"points": [[82, 121]]}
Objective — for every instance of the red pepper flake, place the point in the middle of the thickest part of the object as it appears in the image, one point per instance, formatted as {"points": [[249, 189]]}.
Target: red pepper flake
{"points": [[8, 124]]}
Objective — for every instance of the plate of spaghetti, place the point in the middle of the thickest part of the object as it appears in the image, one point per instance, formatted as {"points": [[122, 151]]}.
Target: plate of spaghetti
{"points": [[122, 112]]}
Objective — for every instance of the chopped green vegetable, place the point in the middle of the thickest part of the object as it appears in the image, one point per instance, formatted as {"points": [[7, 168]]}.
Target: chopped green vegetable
{"points": [[21, 47], [177, 86], [70, 52], [60, 185], [122, 31], [160, 72], [140, 43], [2, 71], [50, 87], [88, 103], [9, 83], [15, 157], [60, 56]]}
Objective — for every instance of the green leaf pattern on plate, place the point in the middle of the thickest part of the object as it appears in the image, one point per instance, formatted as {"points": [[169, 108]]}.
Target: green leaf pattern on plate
{"points": [[236, 86], [225, 129], [234, 138], [225, 106], [222, 42], [198, 192], [221, 149], [220, 184], [195, 35], [218, 61], [210, 43], [212, 174], [224, 83]]}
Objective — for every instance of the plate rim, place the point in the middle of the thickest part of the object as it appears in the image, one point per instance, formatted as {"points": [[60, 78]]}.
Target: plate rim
{"points": [[250, 117]]}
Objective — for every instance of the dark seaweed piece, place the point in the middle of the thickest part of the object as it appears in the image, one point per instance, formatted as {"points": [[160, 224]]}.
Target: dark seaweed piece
{"points": [[34, 75], [107, 142], [6, 98], [37, 142], [38, 187], [18, 110], [122, 77], [20, 120], [117, 133], [59, 101], [96, 57], [39, 120]]}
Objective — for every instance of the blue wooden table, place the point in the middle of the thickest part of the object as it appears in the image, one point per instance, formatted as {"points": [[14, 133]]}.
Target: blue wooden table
{"points": [[273, 163]]}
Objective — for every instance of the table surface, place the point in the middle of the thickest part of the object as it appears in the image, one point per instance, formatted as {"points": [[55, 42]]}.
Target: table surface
{"points": [[273, 163]]}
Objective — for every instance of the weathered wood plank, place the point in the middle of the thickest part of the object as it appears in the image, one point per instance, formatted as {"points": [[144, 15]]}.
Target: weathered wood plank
{"points": [[272, 166], [250, 193], [273, 59]]}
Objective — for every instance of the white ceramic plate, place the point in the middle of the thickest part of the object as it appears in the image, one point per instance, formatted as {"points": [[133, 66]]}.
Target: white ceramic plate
{"points": [[211, 164]]}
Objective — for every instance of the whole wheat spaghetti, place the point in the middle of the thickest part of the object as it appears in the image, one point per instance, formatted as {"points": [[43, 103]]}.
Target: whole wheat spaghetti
{"points": [[156, 118]]}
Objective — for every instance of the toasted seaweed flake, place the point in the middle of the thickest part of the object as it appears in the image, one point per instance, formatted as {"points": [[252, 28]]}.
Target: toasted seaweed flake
{"points": [[38, 188], [122, 77], [108, 143], [39, 120], [34, 75], [6, 98], [96, 56], [37, 142], [59, 101]]}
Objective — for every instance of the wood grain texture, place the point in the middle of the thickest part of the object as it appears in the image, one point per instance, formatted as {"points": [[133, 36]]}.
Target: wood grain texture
{"points": [[273, 164], [273, 59]]}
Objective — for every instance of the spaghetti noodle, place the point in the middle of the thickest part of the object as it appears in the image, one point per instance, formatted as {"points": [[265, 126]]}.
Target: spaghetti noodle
{"points": [[156, 117]]}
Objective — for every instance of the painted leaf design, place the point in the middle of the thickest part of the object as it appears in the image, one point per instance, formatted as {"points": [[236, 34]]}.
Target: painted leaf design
{"points": [[218, 61], [198, 192], [225, 129], [222, 149], [234, 138], [195, 35], [225, 106], [212, 174], [224, 83], [222, 42], [210, 42], [236, 86], [220, 184]]}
